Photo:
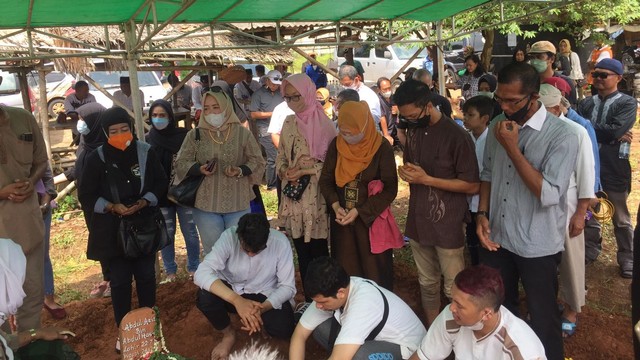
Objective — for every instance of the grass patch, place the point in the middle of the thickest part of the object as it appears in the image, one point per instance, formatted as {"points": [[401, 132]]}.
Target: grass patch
{"points": [[68, 295], [270, 200], [63, 239]]}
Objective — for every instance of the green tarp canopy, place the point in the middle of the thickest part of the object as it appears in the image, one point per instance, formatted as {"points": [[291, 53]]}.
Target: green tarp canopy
{"points": [[52, 13]]}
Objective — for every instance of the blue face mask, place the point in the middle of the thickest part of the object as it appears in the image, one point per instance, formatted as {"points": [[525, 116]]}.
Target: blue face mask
{"points": [[160, 123]]}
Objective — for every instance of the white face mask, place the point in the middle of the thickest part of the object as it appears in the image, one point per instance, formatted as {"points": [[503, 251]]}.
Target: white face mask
{"points": [[488, 94], [387, 94], [353, 139], [82, 127], [215, 120]]}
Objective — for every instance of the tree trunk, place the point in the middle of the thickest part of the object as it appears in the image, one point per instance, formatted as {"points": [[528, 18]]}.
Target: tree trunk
{"points": [[487, 51]]}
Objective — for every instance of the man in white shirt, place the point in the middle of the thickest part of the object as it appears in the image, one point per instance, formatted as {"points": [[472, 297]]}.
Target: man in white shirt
{"points": [[354, 318], [476, 326], [579, 195], [348, 76], [124, 94], [196, 95], [478, 112], [249, 271]]}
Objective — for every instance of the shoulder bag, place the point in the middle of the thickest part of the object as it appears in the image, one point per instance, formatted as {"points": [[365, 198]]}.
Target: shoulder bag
{"points": [[140, 234], [185, 192], [294, 189]]}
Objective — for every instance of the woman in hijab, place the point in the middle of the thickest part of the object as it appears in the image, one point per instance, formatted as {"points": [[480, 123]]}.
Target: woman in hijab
{"points": [[231, 161], [322, 94], [304, 141], [13, 267], [91, 137], [133, 168], [355, 158], [486, 87], [574, 63], [165, 137]]}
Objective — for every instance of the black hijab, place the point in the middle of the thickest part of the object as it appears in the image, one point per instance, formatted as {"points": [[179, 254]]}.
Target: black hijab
{"points": [[90, 113], [113, 116], [169, 138]]}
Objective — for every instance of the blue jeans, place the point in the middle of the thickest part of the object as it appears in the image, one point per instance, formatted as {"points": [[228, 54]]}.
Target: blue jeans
{"points": [[211, 225], [271, 151], [191, 240], [48, 268]]}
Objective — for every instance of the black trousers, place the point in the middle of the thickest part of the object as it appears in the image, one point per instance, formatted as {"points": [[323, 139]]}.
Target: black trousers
{"points": [[277, 323], [307, 252], [539, 278], [122, 271], [473, 242], [635, 286]]}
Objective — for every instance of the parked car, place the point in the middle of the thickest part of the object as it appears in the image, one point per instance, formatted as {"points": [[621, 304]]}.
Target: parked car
{"points": [[10, 94], [58, 85], [148, 81], [453, 50]]}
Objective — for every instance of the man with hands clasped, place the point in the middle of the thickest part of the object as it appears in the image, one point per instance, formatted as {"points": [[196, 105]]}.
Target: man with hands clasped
{"points": [[250, 272], [522, 212], [441, 167]]}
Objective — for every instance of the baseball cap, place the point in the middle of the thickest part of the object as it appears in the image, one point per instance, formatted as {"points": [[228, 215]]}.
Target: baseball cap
{"points": [[559, 83], [275, 77], [610, 64], [542, 47], [549, 95]]}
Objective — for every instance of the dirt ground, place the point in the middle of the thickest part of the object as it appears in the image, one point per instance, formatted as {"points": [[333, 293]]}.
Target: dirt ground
{"points": [[603, 332]]}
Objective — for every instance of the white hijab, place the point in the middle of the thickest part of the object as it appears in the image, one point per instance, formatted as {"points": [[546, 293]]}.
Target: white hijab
{"points": [[13, 266]]}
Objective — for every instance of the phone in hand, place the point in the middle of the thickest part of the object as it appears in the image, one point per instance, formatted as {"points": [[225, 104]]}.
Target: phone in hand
{"points": [[211, 164]]}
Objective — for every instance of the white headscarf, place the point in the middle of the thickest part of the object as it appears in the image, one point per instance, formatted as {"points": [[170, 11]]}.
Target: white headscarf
{"points": [[13, 266]]}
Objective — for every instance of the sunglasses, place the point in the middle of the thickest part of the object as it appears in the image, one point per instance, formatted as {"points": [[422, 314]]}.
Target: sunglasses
{"points": [[601, 75], [276, 78], [293, 98]]}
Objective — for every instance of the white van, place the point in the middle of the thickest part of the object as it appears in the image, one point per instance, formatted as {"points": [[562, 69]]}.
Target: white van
{"points": [[110, 80]]}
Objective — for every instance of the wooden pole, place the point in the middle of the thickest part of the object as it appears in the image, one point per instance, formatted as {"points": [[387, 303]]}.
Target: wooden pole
{"points": [[132, 64], [107, 94], [44, 111], [180, 84], [315, 62], [406, 65], [24, 89]]}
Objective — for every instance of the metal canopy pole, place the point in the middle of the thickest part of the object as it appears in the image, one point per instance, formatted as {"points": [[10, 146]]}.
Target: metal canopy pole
{"points": [[440, 62], [132, 59], [44, 113]]}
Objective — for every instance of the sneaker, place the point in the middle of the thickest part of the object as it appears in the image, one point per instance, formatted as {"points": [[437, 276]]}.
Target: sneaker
{"points": [[107, 292], [98, 290], [169, 279]]}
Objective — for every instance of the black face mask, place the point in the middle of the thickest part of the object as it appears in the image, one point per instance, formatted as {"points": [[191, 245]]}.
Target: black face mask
{"points": [[422, 122], [322, 102], [519, 115]]}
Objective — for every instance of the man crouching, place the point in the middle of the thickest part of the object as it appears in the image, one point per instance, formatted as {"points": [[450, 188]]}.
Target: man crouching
{"points": [[249, 271]]}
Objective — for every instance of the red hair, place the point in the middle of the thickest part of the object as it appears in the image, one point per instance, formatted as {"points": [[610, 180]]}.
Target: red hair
{"points": [[483, 283]]}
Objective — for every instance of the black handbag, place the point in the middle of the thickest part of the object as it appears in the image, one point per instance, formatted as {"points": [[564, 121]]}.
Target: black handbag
{"points": [[185, 192], [294, 189], [142, 233]]}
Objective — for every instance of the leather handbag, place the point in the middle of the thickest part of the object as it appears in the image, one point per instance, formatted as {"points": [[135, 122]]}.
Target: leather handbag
{"points": [[294, 189], [185, 192], [142, 233]]}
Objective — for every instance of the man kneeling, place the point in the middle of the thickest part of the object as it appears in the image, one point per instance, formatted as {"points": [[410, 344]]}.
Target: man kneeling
{"points": [[249, 271], [476, 326], [354, 318]]}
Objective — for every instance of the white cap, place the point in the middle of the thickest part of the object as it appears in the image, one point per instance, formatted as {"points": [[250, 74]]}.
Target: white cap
{"points": [[275, 77], [550, 95]]}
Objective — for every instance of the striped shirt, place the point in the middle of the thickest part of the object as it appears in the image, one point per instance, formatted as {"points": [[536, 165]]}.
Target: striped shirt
{"points": [[512, 339]]}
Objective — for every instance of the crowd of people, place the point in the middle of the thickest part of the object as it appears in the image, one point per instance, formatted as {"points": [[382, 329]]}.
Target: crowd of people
{"points": [[502, 184]]}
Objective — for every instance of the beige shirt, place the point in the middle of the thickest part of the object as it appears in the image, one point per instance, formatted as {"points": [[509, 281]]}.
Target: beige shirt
{"points": [[233, 146], [22, 155]]}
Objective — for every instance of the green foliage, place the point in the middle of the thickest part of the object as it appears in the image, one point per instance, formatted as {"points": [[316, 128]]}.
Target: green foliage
{"points": [[68, 203], [63, 239]]}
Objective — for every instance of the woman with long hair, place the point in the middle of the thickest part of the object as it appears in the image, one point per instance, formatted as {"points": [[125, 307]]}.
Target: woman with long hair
{"points": [[468, 80], [304, 141]]}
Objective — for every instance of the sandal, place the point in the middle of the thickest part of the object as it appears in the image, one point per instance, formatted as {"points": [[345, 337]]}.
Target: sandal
{"points": [[56, 313], [568, 327], [98, 290]]}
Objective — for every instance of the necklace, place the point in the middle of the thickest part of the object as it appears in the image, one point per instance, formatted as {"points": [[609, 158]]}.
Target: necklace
{"points": [[226, 137]]}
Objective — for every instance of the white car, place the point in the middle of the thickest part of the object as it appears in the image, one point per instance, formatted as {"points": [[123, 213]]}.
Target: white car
{"points": [[110, 80]]}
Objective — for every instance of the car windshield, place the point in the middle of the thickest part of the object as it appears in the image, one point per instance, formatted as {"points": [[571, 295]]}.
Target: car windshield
{"points": [[8, 82], [404, 52], [111, 79]]}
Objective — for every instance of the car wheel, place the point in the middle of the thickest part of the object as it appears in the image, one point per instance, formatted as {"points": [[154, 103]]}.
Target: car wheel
{"points": [[56, 106], [450, 77]]}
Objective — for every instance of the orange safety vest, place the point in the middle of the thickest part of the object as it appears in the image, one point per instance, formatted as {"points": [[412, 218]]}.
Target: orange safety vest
{"points": [[595, 54]]}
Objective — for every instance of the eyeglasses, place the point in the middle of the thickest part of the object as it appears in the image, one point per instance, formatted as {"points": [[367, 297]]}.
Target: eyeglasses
{"points": [[276, 78], [293, 98], [601, 75], [501, 101]]}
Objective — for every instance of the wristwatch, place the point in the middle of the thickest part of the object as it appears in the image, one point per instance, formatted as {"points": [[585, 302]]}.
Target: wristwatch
{"points": [[482, 213], [33, 334]]}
